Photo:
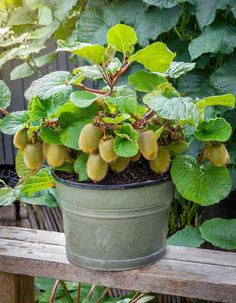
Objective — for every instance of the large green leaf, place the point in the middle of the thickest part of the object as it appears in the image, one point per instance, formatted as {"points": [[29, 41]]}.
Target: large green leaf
{"points": [[188, 236], [145, 81], [206, 10], [70, 135], [5, 95], [152, 22], [177, 108], [44, 197], [82, 99], [126, 141], [50, 85], [22, 15], [49, 135], [204, 184], [24, 70], [156, 57], [220, 232], [93, 52], [177, 69], [223, 79], [224, 100], [122, 37], [7, 196], [128, 105], [222, 39], [213, 130], [89, 71], [164, 3], [14, 122], [39, 181]]}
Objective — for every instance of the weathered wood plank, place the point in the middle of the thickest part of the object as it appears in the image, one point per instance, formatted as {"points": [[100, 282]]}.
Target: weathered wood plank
{"points": [[16, 288], [22, 252]]}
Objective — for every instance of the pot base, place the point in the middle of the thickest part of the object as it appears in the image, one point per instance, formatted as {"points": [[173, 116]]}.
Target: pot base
{"points": [[115, 265]]}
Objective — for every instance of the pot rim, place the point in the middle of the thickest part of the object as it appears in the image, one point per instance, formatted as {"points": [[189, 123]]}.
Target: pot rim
{"points": [[95, 186]]}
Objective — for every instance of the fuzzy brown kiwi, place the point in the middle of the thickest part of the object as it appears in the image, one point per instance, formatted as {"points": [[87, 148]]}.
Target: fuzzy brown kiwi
{"points": [[56, 154], [33, 155], [148, 144], [96, 167], [136, 157], [106, 150], [120, 164], [89, 138], [161, 163], [217, 154], [20, 139]]}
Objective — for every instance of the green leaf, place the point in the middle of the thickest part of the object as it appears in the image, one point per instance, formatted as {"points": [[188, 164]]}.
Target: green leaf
{"points": [[22, 15], [24, 70], [145, 81], [80, 167], [223, 79], [70, 135], [224, 100], [232, 171], [50, 136], [126, 141], [50, 85], [122, 37], [91, 72], [222, 37], [21, 169], [220, 232], [188, 236], [205, 184], [213, 130], [164, 3], [7, 196], [152, 22], [44, 197], [14, 122], [93, 52], [206, 10], [66, 167], [5, 95], [40, 181], [118, 118], [82, 99], [177, 69], [156, 57], [128, 105], [177, 108]]}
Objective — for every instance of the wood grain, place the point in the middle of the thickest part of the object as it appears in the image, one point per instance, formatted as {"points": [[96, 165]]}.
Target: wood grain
{"points": [[188, 272]]}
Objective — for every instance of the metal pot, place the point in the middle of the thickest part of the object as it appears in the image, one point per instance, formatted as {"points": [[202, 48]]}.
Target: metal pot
{"points": [[114, 227]]}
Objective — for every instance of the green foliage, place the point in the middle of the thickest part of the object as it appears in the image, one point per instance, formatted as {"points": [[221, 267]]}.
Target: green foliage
{"points": [[82, 99], [7, 196], [14, 122], [145, 81], [220, 232], [80, 167], [188, 236], [5, 95]]}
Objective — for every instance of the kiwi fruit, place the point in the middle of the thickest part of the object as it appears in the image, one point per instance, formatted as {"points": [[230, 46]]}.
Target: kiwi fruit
{"points": [[136, 157], [177, 135], [89, 138], [20, 139], [148, 144], [45, 149], [33, 155], [161, 163], [106, 150], [217, 154], [120, 164], [96, 167], [56, 154]]}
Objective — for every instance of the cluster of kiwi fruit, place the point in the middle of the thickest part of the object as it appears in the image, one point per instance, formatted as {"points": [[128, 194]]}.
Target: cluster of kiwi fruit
{"points": [[102, 155], [36, 152]]}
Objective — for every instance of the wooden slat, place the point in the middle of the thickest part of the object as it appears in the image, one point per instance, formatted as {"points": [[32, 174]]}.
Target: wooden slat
{"points": [[203, 274]]}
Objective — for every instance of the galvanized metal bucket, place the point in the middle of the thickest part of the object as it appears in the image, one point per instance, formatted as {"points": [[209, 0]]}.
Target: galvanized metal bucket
{"points": [[116, 227]]}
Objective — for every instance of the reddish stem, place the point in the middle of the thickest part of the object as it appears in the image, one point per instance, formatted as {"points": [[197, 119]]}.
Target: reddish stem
{"points": [[4, 112], [120, 73], [92, 90], [52, 297]]}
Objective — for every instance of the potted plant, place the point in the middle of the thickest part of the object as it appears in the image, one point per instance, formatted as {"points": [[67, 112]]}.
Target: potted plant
{"points": [[115, 148]]}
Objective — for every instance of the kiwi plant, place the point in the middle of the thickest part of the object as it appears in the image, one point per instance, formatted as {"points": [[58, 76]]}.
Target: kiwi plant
{"points": [[120, 109]]}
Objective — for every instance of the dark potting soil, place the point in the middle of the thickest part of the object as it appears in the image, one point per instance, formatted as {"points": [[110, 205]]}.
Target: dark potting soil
{"points": [[136, 172]]}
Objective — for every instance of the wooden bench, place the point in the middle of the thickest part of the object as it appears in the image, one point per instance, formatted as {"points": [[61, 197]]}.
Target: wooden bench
{"points": [[188, 272]]}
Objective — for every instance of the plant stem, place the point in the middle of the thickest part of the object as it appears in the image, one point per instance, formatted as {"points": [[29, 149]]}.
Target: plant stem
{"points": [[102, 295], [92, 90], [4, 112], [90, 294], [66, 292], [54, 291], [78, 293], [193, 211]]}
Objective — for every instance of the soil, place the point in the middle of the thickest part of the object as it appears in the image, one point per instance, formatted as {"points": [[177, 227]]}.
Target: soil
{"points": [[135, 173]]}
